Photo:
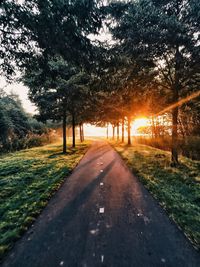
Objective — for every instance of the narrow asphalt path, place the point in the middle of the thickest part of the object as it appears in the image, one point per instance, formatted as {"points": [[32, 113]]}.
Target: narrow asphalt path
{"points": [[103, 216]]}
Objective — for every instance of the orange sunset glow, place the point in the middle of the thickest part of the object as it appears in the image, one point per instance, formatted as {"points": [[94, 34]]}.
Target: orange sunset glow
{"points": [[137, 123], [91, 130]]}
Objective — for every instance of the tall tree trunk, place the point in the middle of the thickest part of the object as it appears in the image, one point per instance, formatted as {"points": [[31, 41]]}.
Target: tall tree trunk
{"points": [[73, 131], [107, 131], [175, 89], [82, 128], [181, 128], [113, 132], [129, 130], [174, 136], [80, 131], [64, 132], [153, 128], [123, 130], [117, 131]]}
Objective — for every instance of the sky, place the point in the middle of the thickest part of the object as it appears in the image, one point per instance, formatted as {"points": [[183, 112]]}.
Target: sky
{"points": [[21, 91]]}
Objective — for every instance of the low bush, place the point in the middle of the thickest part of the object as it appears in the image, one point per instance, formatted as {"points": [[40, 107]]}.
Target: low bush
{"points": [[29, 141]]}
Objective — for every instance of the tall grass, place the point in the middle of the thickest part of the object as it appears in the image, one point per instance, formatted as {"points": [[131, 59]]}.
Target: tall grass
{"points": [[189, 146]]}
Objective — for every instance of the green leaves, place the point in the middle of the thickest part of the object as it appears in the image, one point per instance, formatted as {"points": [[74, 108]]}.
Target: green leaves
{"points": [[47, 27]]}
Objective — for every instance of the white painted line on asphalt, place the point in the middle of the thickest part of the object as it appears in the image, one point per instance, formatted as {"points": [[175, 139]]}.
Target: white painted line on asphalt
{"points": [[94, 231], [101, 210], [163, 260], [61, 263], [102, 258], [101, 184], [108, 226]]}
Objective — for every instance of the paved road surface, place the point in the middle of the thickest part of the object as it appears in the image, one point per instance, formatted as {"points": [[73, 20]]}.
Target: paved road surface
{"points": [[102, 216]]}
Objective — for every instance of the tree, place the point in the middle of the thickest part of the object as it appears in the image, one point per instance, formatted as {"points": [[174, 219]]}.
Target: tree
{"points": [[56, 27], [14, 122], [66, 25], [58, 92], [167, 33]]}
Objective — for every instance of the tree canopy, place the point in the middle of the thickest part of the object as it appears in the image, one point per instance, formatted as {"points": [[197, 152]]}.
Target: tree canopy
{"points": [[151, 63]]}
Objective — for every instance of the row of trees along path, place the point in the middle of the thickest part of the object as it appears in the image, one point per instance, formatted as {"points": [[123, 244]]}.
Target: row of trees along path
{"points": [[149, 60]]}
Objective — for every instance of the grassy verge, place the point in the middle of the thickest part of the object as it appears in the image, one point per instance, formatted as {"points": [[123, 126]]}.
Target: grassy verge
{"points": [[28, 179], [188, 147], [177, 189]]}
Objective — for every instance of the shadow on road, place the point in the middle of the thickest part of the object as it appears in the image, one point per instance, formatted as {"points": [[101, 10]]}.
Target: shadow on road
{"points": [[73, 206], [100, 154]]}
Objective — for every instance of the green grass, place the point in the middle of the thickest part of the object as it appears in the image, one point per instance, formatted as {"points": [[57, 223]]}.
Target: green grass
{"points": [[28, 179], [176, 189]]}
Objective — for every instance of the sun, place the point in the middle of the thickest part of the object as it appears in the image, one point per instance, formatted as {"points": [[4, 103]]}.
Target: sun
{"points": [[137, 123]]}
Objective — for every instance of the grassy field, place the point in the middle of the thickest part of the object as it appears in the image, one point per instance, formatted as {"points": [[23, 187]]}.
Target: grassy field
{"points": [[176, 189], [28, 179]]}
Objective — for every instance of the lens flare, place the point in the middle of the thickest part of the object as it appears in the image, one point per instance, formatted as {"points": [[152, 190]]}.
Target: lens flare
{"points": [[179, 103]]}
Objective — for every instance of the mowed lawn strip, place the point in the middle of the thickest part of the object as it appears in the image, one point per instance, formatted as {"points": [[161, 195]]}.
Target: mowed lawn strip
{"points": [[176, 189], [28, 179]]}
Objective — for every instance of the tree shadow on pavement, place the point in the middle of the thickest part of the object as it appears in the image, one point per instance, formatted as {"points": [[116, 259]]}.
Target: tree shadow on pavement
{"points": [[73, 206], [81, 165]]}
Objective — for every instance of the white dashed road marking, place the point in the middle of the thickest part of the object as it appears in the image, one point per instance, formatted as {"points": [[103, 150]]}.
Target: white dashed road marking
{"points": [[101, 210], [94, 231], [102, 258]]}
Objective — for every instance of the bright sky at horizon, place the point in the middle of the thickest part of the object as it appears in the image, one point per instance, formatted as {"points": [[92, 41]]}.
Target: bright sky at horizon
{"points": [[21, 91], [95, 131]]}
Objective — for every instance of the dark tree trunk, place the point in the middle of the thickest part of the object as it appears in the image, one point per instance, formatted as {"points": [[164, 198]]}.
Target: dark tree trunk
{"points": [[80, 131], [153, 128], [175, 89], [123, 130], [82, 128], [73, 131], [64, 133], [129, 130], [107, 131], [117, 131], [175, 137], [181, 127], [113, 132]]}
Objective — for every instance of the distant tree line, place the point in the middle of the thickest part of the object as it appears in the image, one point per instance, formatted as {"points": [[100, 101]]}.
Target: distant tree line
{"points": [[19, 130]]}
